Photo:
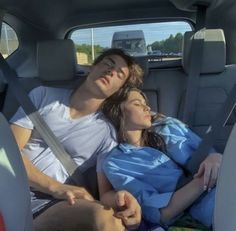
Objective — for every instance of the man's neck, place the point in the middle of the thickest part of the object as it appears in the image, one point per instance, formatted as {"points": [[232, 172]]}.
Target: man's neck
{"points": [[83, 103]]}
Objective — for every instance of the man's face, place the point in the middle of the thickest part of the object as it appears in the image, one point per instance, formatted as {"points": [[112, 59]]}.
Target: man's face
{"points": [[108, 76]]}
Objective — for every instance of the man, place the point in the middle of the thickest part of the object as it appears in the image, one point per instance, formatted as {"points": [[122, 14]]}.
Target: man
{"points": [[74, 118]]}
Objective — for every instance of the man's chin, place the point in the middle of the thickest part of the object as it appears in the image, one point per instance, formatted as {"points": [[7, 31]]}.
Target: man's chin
{"points": [[104, 90]]}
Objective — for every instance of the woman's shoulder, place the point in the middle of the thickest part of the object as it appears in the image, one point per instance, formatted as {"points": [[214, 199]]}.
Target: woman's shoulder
{"points": [[168, 124]]}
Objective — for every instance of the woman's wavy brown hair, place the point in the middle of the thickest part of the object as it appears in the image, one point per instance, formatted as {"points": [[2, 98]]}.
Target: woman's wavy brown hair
{"points": [[111, 107]]}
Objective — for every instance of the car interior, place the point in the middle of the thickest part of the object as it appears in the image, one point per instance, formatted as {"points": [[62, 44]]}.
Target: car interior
{"points": [[46, 55]]}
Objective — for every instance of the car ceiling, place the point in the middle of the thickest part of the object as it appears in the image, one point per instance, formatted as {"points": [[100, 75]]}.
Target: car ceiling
{"points": [[64, 14], [60, 15], [55, 18]]}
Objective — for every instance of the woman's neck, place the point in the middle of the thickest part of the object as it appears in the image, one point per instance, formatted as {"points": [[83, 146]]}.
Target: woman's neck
{"points": [[134, 138]]}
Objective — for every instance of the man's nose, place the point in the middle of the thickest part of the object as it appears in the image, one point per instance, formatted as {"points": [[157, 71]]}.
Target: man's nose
{"points": [[111, 71]]}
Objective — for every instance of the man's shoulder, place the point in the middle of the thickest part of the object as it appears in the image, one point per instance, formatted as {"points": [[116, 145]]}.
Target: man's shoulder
{"points": [[44, 90], [102, 120], [42, 95]]}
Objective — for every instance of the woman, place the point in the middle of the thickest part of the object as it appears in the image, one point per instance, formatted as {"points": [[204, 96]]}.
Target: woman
{"points": [[139, 164]]}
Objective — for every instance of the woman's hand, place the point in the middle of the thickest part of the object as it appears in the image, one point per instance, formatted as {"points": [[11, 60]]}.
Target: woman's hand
{"points": [[128, 209], [70, 193], [209, 168]]}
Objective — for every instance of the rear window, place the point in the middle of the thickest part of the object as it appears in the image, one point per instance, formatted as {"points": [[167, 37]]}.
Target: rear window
{"points": [[159, 41], [9, 41]]}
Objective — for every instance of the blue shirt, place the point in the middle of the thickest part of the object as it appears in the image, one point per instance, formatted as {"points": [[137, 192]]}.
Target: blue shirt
{"points": [[145, 172], [150, 175]]}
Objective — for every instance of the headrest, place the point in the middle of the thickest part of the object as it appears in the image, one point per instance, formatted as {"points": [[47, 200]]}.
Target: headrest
{"points": [[56, 60], [214, 51], [190, 5], [142, 61]]}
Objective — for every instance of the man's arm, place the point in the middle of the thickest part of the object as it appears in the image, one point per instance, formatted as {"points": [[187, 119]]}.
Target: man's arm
{"points": [[125, 205], [41, 181]]}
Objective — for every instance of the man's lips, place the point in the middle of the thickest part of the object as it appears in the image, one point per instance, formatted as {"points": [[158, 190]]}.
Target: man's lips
{"points": [[105, 80]]}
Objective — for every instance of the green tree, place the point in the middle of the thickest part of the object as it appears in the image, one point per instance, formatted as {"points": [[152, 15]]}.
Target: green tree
{"points": [[87, 49], [171, 44]]}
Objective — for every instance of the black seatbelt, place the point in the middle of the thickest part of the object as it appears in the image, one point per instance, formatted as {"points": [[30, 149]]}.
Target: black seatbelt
{"points": [[212, 132], [209, 138], [3, 92], [41, 126], [196, 55]]}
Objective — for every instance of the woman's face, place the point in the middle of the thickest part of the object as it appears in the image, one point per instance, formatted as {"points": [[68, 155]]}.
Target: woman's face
{"points": [[136, 112]]}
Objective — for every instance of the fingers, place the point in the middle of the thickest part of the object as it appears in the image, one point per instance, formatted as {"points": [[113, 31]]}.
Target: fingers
{"points": [[71, 193], [131, 223], [214, 175], [70, 197], [120, 198], [130, 218], [126, 213], [209, 169], [82, 193], [207, 175], [200, 171], [131, 212]]}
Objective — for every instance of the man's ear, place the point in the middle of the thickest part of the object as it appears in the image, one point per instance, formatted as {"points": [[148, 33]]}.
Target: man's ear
{"points": [[90, 68], [86, 69]]}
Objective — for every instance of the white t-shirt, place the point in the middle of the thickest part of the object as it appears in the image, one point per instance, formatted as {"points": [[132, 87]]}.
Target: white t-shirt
{"points": [[84, 138]]}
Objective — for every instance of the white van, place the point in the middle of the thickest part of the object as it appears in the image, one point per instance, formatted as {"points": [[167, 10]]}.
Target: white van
{"points": [[131, 41]]}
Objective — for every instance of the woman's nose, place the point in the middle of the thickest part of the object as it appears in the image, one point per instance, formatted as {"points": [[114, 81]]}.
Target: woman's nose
{"points": [[147, 108]]}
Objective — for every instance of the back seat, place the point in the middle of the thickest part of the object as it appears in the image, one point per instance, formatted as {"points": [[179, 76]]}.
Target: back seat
{"points": [[164, 87], [56, 62], [168, 86]]}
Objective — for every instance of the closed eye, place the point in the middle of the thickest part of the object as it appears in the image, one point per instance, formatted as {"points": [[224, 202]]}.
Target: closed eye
{"points": [[108, 63]]}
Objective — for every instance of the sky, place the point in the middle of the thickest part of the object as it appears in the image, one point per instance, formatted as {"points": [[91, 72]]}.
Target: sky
{"points": [[153, 32]]}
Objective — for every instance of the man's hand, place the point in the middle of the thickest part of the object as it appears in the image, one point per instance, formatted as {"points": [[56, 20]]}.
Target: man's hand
{"points": [[129, 209], [70, 193], [210, 168]]}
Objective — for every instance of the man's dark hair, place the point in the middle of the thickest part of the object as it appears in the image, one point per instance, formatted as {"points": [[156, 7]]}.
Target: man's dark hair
{"points": [[135, 78]]}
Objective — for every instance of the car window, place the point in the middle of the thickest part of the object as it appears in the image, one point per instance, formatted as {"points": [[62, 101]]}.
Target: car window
{"points": [[159, 41], [9, 41]]}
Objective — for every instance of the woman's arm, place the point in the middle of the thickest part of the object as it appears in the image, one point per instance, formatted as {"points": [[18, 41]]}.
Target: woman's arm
{"points": [[125, 205], [182, 199], [106, 192]]}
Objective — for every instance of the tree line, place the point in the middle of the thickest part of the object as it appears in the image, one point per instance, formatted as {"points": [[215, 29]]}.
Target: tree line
{"points": [[171, 44]]}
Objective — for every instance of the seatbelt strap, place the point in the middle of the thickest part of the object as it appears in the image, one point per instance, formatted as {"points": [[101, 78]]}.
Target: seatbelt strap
{"points": [[3, 87], [213, 132], [196, 55], [209, 139], [41, 126], [3, 92]]}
